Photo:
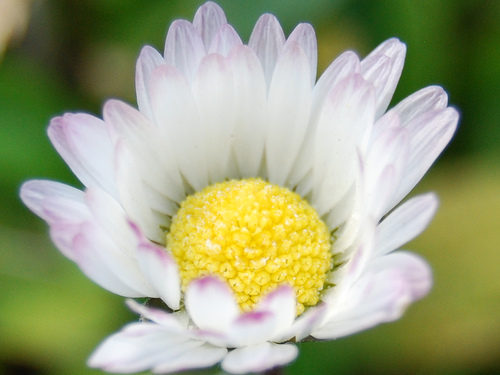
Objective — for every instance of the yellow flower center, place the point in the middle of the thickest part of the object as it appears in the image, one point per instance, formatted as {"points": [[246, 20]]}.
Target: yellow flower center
{"points": [[254, 235]]}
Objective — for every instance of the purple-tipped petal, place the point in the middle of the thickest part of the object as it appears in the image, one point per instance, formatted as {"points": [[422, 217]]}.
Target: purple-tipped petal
{"points": [[267, 40], [208, 20], [305, 36], [184, 48], [225, 40], [160, 270], [211, 304], [383, 67], [84, 142], [388, 285], [148, 60]]}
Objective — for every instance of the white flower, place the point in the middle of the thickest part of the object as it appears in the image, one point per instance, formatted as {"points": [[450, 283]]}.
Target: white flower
{"points": [[213, 110]]}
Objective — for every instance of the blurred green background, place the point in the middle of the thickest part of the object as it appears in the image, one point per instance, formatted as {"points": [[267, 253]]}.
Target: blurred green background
{"points": [[70, 55]]}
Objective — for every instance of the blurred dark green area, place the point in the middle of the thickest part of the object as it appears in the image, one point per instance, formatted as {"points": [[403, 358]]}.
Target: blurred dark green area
{"points": [[76, 54]]}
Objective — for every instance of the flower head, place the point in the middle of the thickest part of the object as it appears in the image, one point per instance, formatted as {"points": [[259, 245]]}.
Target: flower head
{"points": [[253, 206]]}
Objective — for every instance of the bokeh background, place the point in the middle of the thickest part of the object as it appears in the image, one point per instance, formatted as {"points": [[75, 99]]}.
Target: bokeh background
{"points": [[71, 55]]}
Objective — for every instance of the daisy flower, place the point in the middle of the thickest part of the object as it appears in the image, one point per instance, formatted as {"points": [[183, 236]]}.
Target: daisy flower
{"points": [[251, 205]]}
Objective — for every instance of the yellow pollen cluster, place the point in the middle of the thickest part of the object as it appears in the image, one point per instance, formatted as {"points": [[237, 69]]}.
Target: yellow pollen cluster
{"points": [[256, 236]]}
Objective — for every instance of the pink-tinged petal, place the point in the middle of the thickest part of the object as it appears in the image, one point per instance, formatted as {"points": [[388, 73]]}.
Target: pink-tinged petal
{"points": [[199, 357], [211, 304], [61, 206], [251, 328], [161, 271], [37, 195], [141, 346], [383, 67], [177, 117], [172, 321], [107, 265], [384, 168], [345, 122], [405, 223], [429, 135], [250, 100], [305, 36], [259, 358], [109, 215], [213, 90], [133, 196], [156, 163], [289, 105], [388, 285], [184, 48], [344, 66], [425, 100], [267, 41], [282, 304], [208, 20], [225, 40], [85, 144], [148, 60]]}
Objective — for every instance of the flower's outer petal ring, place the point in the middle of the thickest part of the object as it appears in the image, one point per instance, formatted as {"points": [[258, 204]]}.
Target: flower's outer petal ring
{"points": [[211, 304], [259, 358], [405, 223], [388, 285], [143, 346]]}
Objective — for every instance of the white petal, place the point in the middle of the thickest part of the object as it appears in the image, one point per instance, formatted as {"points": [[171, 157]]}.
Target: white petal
{"points": [[387, 287], [429, 135], [156, 163], [225, 40], [282, 304], [344, 122], [148, 60], [405, 223], [250, 97], [425, 100], [383, 68], [105, 264], [251, 328], [384, 167], [199, 357], [208, 20], [184, 48], [345, 65], [267, 41], [132, 195], [36, 193], [160, 269], [167, 320], [289, 106], [259, 358], [211, 304], [142, 346], [85, 145], [177, 117], [213, 90], [305, 36]]}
